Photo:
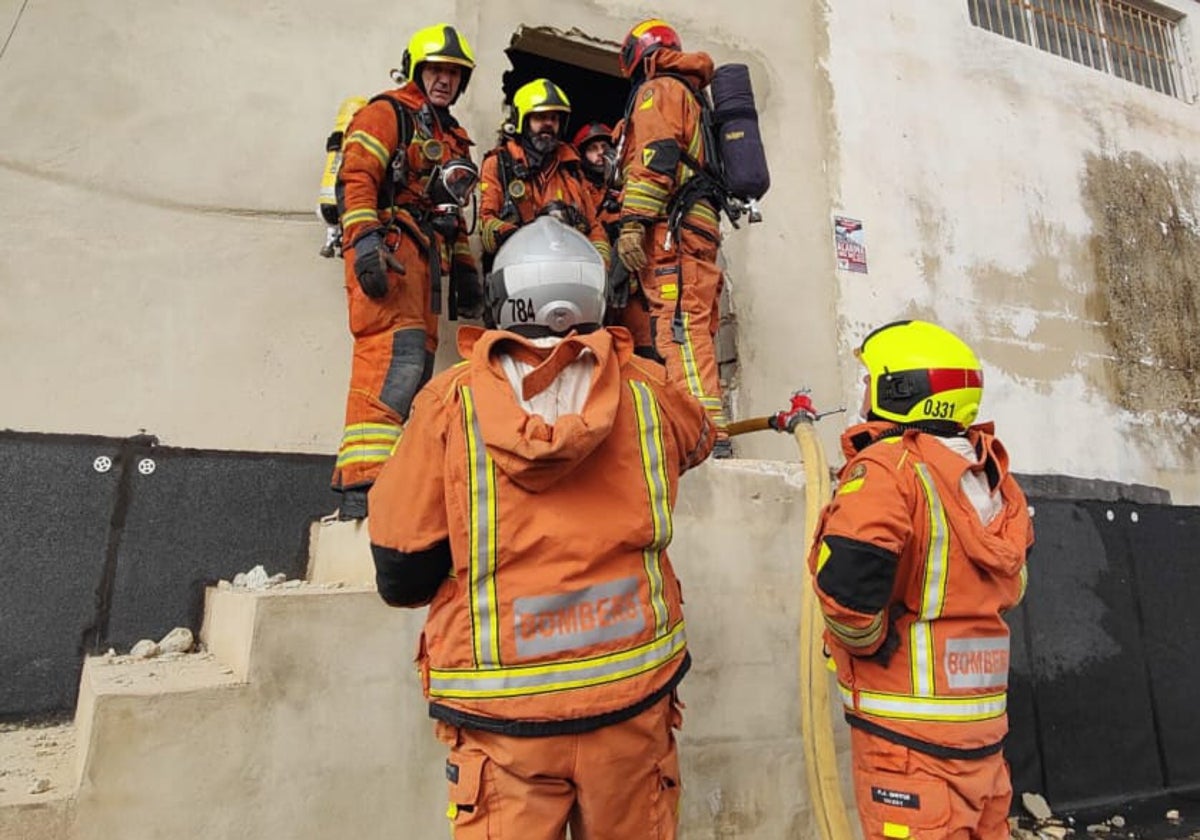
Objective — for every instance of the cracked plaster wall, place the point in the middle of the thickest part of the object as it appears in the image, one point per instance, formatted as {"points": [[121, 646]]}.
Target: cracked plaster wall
{"points": [[1046, 212]]}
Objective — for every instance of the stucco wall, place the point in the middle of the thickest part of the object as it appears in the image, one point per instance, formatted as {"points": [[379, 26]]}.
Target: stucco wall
{"points": [[157, 186], [1046, 211]]}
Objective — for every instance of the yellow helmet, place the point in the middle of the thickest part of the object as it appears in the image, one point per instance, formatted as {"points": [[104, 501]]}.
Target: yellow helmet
{"points": [[540, 96], [922, 374], [440, 44]]}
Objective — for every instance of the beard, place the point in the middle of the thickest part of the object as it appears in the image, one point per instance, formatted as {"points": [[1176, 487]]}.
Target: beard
{"points": [[543, 143]]}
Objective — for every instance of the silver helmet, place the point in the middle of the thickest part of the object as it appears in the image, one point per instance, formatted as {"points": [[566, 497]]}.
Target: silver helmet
{"points": [[547, 279]]}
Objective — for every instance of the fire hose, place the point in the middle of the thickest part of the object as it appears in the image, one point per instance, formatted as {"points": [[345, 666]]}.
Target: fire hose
{"points": [[816, 723]]}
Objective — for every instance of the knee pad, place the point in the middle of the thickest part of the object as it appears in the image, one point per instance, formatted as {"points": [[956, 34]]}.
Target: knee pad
{"points": [[410, 368]]}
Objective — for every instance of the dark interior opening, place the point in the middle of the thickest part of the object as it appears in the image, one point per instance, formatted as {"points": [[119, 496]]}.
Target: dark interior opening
{"points": [[585, 68]]}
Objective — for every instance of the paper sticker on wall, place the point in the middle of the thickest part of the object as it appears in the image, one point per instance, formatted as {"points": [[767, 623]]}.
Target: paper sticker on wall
{"points": [[848, 239]]}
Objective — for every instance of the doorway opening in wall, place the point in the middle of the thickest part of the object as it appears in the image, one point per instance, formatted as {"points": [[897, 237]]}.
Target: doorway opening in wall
{"points": [[588, 71]]}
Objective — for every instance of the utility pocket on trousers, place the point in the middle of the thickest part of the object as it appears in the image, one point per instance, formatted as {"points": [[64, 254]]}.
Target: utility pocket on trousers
{"points": [[666, 798], [464, 772], [898, 806]]}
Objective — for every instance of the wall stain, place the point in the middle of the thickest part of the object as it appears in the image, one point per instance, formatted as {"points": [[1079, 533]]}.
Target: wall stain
{"points": [[1146, 253]]}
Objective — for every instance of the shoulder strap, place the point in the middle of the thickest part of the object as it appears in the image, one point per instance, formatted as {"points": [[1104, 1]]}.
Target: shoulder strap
{"points": [[398, 165]]}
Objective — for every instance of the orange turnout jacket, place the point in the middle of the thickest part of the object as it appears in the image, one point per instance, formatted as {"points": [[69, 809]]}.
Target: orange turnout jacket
{"points": [[543, 546], [560, 179], [913, 587]]}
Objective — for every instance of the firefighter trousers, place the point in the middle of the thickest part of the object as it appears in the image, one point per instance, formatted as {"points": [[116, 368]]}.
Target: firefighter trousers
{"points": [[687, 282], [395, 338], [902, 793], [614, 783]]}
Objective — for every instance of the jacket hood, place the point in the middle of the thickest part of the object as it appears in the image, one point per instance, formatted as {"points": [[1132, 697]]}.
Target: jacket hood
{"points": [[533, 453], [696, 67], [1001, 545]]}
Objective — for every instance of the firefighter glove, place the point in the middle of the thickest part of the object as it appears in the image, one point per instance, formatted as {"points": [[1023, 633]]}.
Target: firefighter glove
{"points": [[370, 265], [629, 246], [467, 287]]}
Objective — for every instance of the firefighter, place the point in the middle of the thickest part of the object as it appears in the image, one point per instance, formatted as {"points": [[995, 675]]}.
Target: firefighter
{"points": [[406, 172], [916, 559], [532, 172], [676, 268], [594, 143], [553, 642]]}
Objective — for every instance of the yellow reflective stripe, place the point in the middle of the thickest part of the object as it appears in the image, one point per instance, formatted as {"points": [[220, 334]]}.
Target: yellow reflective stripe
{"points": [[645, 197], [353, 217], [364, 455], [895, 831], [654, 471], [921, 658], [372, 144], [1024, 583], [906, 707], [603, 249], [558, 676], [903, 707], [373, 429], [687, 353], [481, 496], [856, 637], [937, 559], [701, 212]]}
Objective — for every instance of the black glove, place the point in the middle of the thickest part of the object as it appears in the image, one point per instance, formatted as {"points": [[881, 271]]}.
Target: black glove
{"points": [[370, 267], [465, 280], [618, 286]]}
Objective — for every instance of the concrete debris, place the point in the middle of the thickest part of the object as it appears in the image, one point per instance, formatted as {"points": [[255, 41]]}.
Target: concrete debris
{"points": [[179, 640], [144, 649], [1117, 821], [256, 578], [1173, 816], [40, 786], [1058, 832], [1036, 805]]}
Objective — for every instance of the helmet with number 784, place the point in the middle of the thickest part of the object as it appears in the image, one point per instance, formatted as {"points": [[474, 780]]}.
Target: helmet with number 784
{"points": [[547, 279]]}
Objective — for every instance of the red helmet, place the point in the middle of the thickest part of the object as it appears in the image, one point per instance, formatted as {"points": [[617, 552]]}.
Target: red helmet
{"points": [[645, 38], [589, 132]]}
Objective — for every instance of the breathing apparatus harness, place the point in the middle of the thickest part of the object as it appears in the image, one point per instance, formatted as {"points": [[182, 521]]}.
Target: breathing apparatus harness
{"points": [[448, 188]]}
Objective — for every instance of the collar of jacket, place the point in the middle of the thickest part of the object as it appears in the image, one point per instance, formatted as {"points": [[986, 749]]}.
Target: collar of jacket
{"points": [[534, 453], [563, 155], [413, 98], [858, 437], [696, 67]]}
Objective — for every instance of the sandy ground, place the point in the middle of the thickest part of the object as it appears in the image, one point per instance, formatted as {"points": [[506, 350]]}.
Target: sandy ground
{"points": [[35, 762]]}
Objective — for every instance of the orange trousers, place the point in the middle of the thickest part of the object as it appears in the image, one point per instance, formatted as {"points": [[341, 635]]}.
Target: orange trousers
{"points": [[395, 338], [903, 793], [635, 317], [691, 264], [616, 783]]}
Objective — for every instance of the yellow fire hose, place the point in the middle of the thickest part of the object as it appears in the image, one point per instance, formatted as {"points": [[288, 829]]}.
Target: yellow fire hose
{"points": [[816, 724]]}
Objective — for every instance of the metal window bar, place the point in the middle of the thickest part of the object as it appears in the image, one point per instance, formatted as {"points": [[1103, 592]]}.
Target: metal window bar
{"points": [[1115, 36]]}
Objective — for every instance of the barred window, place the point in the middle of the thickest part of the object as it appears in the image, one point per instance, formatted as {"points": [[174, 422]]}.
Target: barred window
{"points": [[1138, 41]]}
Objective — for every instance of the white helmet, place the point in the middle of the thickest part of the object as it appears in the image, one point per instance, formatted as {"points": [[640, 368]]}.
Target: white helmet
{"points": [[547, 279]]}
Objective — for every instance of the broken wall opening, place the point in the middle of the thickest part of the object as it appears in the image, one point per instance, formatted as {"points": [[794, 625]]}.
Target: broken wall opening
{"points": [[588, 71]]}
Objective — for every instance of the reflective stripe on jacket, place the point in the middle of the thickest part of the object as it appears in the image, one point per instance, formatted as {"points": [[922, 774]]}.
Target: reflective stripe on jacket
{"points": [[561, 602], [371, 140], [913, 585]]}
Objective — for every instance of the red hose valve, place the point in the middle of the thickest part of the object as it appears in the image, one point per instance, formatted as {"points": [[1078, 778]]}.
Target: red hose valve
{"points": [[801, 409]]}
